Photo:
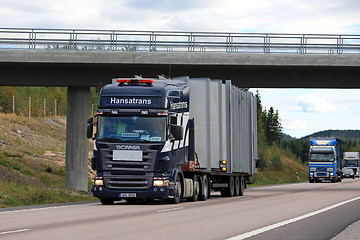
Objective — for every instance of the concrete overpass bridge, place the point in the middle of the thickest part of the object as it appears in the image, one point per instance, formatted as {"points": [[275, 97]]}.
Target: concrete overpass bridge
{"points": [[80, 59]]}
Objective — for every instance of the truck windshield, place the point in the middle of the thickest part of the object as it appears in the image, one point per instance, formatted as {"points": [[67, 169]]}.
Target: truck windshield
{"points": [[321, 157], [351, 162], [131, 129]]}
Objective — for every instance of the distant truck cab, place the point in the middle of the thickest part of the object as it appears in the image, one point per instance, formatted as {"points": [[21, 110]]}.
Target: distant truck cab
{"points": [[172, 139], [325, 160], [351, 161]]}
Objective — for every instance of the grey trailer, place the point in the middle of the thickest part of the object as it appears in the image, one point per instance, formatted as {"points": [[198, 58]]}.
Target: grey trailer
{"points": [[225, 133]]}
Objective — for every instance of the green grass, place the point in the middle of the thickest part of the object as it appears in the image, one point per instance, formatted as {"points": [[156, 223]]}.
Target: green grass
{"points": [[278, 167], [277, 177], [13, 194]]}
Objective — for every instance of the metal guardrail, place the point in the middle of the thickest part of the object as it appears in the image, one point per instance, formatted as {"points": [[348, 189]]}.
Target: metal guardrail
{"points": [[172, 41]]}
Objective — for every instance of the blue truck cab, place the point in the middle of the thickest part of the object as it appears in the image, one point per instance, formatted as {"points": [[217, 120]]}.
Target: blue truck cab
{"points": [[325, 161]]}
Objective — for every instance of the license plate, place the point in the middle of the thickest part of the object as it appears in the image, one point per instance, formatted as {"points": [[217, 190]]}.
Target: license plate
{"points": [[127, 195], [124, 155]]}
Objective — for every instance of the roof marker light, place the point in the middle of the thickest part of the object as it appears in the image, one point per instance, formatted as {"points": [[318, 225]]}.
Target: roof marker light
{"points": [[135, 80], [147, 81], [119, 80]]}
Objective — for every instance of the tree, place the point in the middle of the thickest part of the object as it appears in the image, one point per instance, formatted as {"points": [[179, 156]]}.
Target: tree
{"points": [[273, 126]]}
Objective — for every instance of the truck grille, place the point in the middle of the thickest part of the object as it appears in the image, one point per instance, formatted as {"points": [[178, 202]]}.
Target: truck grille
{"points": [[128, 175], [321, 174]]}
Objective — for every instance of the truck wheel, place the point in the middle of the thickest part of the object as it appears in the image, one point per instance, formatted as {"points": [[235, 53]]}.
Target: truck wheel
{"points": [[195, 196], [242, 186], [205, 191], [229, 191], [177, 191], [106, 201], [237, 187]]}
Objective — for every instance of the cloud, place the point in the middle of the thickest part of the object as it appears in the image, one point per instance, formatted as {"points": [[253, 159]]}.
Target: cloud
{"points": [[167, 5], [313, 103], [295, 125], [283, 16]]}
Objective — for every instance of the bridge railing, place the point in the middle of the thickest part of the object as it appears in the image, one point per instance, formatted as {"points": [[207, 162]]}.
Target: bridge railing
{"points": [[172, 41]]}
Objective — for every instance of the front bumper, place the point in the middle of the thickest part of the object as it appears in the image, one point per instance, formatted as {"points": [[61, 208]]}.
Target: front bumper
{"points": [[152, 193], [320, 178]]}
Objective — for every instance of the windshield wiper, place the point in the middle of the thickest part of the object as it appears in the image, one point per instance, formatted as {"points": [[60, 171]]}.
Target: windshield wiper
{"points": [[108, 139], [135, 140]]}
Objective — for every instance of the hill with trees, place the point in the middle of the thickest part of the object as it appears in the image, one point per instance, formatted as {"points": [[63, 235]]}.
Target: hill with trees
{"points": [[353, 135]]}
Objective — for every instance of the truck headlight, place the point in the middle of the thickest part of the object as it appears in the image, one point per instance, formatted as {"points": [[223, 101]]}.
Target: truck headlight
{"points": [[313, 169], [311, 173], [331, 173], [330, 169], [160, 183], [97, 181]]}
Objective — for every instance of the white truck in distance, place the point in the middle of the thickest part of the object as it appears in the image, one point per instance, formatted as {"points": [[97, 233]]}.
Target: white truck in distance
{"points": [[351, 161]]}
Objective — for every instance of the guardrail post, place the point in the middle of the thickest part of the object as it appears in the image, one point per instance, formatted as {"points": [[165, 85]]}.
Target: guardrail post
{"points": [[191, 43], [152, 47], [73, 40], [266, 44], [32, 40], [113, 41], [229, 41], [340, 45], [303, 42]]}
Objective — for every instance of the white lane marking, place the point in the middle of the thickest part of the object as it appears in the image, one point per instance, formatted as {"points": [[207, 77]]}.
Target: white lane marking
{"points": [[45, 208], [170, 209], [276, 225], [244, 199], [15, 231]]}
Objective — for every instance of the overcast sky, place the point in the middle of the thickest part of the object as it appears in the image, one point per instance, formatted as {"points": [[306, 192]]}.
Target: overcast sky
{"points": [[302, 111]]}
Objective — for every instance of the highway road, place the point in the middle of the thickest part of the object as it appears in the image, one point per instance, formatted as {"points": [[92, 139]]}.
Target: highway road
{"points": [[291, 211]]}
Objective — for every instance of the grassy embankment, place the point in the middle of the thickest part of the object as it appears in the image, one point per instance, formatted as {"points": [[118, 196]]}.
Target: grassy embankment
{"points": [[278, 167], [32, 162]]}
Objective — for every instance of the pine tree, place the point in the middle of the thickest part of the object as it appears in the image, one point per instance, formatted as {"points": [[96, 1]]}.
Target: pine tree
{"points": [[273, 126]]}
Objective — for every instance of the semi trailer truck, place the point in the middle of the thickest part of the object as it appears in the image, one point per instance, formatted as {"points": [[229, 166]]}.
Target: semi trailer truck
{"points": [[351, 161], [173, 139], [325, 161]]}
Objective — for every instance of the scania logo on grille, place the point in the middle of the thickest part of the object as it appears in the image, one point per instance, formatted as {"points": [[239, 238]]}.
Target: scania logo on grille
{"points": [[127, 147]]}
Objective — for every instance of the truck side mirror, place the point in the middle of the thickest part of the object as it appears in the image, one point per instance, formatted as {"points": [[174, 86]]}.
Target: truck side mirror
{"points": [[89, 131], [257, 163], [177, 132]]}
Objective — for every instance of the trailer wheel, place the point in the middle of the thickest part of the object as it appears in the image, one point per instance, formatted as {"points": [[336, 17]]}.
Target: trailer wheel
{"points": [[237, 187], [195, 196], [242, 186], [229, 191], [205, 190], [177, 191], [107, 201]]}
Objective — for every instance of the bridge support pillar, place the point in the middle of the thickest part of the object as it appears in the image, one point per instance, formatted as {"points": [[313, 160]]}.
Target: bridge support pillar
{"points": [[77, 145]]}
